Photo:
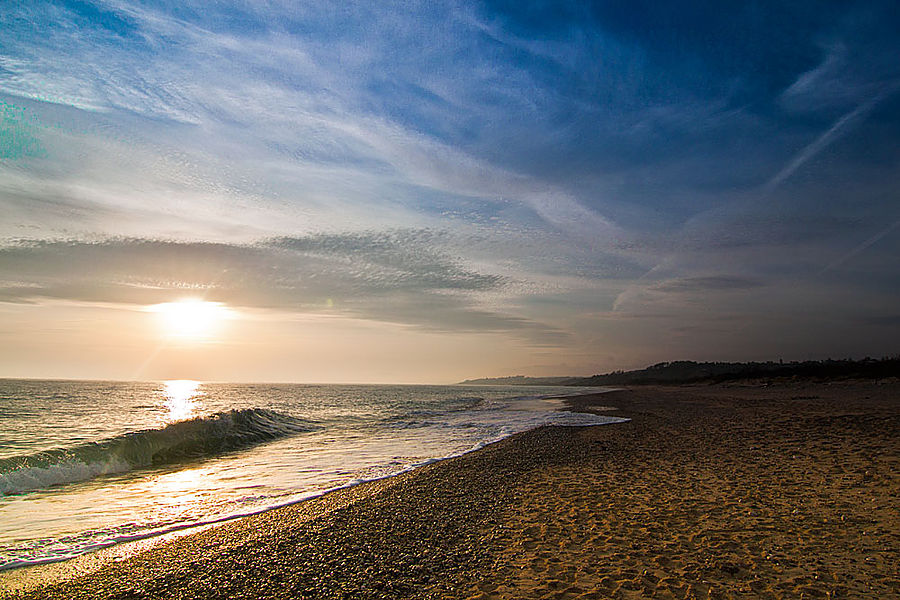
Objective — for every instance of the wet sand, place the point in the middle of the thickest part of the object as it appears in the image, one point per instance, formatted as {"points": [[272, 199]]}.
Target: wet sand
{"points": [[729, 491]]}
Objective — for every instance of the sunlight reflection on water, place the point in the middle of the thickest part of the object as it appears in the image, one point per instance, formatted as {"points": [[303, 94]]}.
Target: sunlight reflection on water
{"points": [[181, 398]]}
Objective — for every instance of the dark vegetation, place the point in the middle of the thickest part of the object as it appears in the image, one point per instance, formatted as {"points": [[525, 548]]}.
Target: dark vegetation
{"points": [[688, 371], [520, 380]]}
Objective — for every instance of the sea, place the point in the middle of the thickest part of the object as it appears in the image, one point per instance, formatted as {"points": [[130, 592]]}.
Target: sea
{"points": [[86, 465]]}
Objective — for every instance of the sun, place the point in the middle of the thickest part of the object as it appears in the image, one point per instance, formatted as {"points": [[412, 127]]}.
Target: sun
{"points": [[191, 319]]}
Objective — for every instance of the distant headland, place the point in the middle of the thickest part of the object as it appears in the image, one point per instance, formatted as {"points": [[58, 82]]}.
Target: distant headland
{"points": [[688, 371]]}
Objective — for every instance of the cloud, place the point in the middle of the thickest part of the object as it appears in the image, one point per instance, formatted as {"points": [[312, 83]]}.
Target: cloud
{"points": [[230, 113], [712, 283], [861, 247], [395, 276], [833, 133]]}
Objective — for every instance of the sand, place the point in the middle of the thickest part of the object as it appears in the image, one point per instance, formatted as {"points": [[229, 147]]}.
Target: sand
{"points": [[742, 491]]}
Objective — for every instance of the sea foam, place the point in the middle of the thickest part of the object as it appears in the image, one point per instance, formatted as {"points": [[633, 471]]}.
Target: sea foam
{"points": [[179, 442]]}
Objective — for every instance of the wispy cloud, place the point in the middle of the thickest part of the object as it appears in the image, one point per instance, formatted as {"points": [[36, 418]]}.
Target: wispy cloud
{"points": [[861, 247], [833, 133], [710, 283], [394, 276], [263, 117]]}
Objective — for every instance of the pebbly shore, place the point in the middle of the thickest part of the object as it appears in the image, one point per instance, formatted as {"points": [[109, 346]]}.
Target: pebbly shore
{"points": [[748, 490]]}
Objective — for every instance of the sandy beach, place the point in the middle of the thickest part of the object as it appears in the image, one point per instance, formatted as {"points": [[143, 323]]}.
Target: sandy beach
{"points": [[750, 490]]}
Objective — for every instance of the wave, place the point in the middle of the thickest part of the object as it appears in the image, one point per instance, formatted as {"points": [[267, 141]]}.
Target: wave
{"points": [[175, 443]]}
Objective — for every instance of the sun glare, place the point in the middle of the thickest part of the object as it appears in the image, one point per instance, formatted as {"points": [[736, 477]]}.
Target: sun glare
{"points": [[191, 319], [181, 396]]}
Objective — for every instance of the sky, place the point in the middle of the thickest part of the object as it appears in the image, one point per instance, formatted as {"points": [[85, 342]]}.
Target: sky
{"points": [[425, 192]]}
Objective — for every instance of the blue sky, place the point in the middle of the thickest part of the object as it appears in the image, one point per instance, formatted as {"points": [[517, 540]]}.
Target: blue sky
{"points": [[586, 186]]}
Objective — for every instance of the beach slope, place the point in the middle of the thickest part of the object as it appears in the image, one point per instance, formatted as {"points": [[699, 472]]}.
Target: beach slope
{"points": [[727, 491]]}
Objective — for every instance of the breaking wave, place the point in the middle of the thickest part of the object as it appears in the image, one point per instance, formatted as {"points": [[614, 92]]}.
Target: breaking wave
{"points": [[175, 443]]}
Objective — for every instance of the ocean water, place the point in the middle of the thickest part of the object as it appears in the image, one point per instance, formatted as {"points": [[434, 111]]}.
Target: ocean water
{"points": [[85, 465]]}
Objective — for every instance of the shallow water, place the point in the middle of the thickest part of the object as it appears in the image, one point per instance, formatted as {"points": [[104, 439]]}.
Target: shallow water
{"points": [[84, 465]]}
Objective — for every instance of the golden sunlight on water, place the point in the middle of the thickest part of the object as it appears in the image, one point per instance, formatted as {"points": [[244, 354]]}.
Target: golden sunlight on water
{"points": [[175, 490], [181, 396]]}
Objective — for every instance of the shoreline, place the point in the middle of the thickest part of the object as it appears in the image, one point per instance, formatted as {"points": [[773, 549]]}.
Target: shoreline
{"points": [[27, 576], [715, 491]]}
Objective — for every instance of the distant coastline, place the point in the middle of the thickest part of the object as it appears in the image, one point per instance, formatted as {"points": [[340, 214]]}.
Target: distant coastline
{"points": [[688, 371]]}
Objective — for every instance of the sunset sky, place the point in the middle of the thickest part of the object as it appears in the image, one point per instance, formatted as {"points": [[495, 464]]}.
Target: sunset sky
{"points": [[427, 192]]}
